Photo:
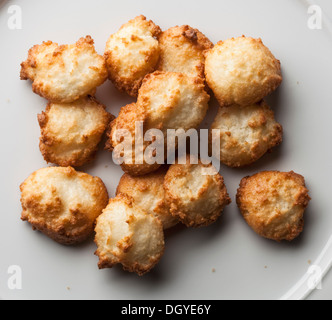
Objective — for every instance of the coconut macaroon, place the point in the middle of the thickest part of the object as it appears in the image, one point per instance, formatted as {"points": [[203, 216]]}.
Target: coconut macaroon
{"points": [[124, 141], [64, 73], [70, 133], [173, 100], [166, 100], [241, 71], [245, 133], [127, 235], [196, 194], [131, 53], [182, 50], [273, 204], [63, 203], [148, 193]]}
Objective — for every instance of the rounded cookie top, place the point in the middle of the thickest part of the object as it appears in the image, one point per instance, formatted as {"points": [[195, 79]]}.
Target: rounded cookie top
{"points": [[273, 203], [182, 50], [127, 145], [241, 71], [173, 100], [131, 53], [70, 133], [63, 203], [127, 235], [64, 73], [242, 135], [196, 193], [148, 193]]}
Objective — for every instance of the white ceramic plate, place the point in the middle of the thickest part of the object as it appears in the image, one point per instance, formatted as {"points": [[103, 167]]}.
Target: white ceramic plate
{"points": [[246, 266]]}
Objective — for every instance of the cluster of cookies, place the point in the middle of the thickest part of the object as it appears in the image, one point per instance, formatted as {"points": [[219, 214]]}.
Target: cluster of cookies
{"points": [[171, 75]]}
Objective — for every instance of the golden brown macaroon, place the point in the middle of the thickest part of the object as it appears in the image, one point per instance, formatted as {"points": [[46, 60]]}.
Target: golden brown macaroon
{"points": [[148, 194], [166, 100], [129, 236], [245, 133], [182, 49], [241, 71], [195, 193], [121, 141], [63, 203], [64, 73], [273, 204], [173, 100], [132, 53], [70, 133]]}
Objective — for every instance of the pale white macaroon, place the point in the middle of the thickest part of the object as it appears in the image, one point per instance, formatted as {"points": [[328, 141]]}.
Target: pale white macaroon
{"points": [[131, 53], [241, 71], [196, 193], [64, 73], [148, 193], [128, 236], [242, 135], [63, 203], [71, 132]]}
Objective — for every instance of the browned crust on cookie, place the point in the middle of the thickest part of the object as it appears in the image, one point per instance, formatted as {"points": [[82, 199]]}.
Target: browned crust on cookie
{"points": [[185, 33], [300, 200], [128, 116], [49, 141], [149, 184], [126, 245], [175, 201], [29, 66], [131, 85], [262, 89], [39, 215], [265, 144]]}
